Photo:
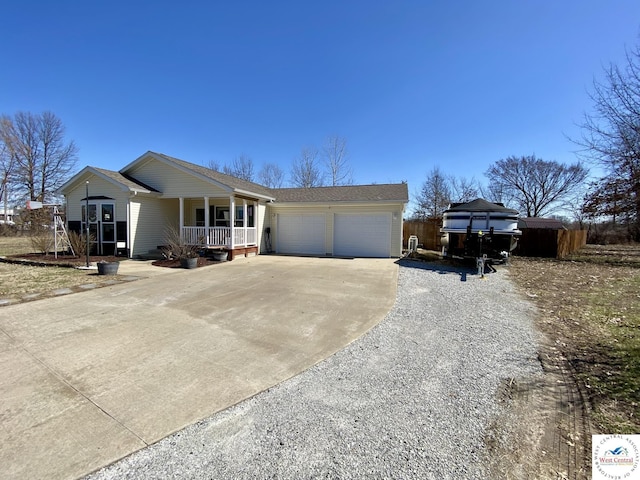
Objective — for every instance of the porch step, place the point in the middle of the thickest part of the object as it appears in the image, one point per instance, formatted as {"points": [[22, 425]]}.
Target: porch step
{"points": [[155, 254]]}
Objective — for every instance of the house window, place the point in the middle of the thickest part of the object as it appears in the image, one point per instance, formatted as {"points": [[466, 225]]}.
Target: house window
{"points": [[199, 217], [239, 216], [222, 216], [93, 213], [250, 217], [107, 212]]}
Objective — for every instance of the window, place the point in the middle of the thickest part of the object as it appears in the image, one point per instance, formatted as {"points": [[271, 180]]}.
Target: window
{"points": [[199, 217], [250, 217], [239, 216], [222, 216], [108, 232], [93, 213], [107, 212]]}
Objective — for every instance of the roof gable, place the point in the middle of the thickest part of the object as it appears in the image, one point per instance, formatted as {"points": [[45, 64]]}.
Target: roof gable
{"points": [[123, 182], [227, 182]]}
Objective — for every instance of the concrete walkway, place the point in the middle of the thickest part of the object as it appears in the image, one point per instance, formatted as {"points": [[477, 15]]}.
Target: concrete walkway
{"points": [[89, 378]]}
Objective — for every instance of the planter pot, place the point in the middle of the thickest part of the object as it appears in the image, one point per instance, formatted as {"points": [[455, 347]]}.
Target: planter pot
{"points": [[189, 262], [220, 256], [108, 268]]}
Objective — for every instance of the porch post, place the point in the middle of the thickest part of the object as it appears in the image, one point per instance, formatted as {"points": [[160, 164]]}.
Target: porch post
{"points": [[255, 222], [232, 218], [181, 216], [206, 221], [244, 220]]}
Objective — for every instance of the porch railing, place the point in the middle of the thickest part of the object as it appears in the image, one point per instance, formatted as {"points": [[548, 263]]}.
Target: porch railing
{"points": [[219, 236]]}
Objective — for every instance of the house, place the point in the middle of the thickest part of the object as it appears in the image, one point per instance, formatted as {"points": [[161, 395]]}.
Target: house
{"points": [[129, 212]]}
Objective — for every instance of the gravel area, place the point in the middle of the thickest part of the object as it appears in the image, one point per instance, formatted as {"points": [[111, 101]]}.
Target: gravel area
{"points": [[416, 397]]}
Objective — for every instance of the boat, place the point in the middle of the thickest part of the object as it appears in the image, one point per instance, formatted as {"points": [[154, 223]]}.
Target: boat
{"points": [[479, 229]]}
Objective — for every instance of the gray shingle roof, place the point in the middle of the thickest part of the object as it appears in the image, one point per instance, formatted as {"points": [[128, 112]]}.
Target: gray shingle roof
{"points": [[392, 192], [538, 222], [126, 180], [229, 180]]}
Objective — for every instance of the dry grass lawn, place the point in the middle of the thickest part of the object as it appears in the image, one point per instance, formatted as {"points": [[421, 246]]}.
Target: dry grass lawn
{"points": [[19, 280], [590, 309]]}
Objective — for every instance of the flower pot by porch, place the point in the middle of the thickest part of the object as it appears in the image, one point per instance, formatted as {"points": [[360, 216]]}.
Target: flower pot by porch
{"points": [[191, 262], [108, 268], [220, 256]]}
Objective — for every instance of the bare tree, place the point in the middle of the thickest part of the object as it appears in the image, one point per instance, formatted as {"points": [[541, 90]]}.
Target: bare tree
{"points": [[611, 137], [41, 157], [538, 186], [305, 172], [434, 196], [213, 165], [241, 167], [58, 158], [6, 167], [463, 190], [495, 192], [336, 160], [271, 175]]}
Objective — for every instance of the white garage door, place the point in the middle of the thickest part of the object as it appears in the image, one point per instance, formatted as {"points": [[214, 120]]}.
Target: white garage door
{"points": [[362, 235], [301, 234]]}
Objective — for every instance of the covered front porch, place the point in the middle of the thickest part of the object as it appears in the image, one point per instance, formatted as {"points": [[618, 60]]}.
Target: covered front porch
{"points": [[219, 223]]}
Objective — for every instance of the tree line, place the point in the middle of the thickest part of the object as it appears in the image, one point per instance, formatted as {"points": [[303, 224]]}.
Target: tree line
{"points": [[533, 186], [610, 139], [312, 167]]}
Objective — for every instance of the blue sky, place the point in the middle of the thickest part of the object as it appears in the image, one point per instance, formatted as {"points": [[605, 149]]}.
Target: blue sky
{"points": [[411, 85]]}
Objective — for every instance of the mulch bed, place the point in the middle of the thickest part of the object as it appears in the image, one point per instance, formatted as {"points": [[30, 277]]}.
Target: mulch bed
{"points": [[175, 263], [75, 261], [63, 260]]}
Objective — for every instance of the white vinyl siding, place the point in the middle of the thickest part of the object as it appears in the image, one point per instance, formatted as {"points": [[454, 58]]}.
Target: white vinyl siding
{"points": [[362, 235], [301, 234], [173, 182], [97, 187], [148, 230]]}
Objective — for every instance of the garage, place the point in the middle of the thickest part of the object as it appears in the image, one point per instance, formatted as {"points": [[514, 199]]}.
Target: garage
{"points": [[362, 235], [301, 234]]}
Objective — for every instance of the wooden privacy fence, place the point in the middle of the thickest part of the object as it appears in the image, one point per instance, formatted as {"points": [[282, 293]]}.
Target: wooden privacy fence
{"points": [[542, 242], [427, 231], [570, 241]]}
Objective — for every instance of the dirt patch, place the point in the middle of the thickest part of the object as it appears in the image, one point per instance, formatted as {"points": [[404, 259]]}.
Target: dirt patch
{"points": [[589, 318]]}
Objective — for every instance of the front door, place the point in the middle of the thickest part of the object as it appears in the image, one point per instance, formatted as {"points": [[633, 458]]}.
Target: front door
{"points": [[102, 227]]}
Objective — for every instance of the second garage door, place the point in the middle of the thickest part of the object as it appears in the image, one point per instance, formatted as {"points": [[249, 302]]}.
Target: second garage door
{"points": [[362, 235], [301, 234]]}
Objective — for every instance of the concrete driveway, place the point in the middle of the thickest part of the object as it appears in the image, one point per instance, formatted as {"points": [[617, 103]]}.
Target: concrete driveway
{"points": [[91, 377]]}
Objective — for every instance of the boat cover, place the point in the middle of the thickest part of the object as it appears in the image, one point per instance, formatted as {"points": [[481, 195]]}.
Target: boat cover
{"points": [[480, 205]]}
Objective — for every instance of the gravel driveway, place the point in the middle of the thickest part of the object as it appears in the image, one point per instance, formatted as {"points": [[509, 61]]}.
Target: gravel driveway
{"points": [[413, 398]]}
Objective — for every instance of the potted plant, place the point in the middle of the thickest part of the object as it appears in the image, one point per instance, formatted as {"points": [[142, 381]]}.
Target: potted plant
{"points": [[107, 268], [220, 255], [189, 261], [178, 249]]}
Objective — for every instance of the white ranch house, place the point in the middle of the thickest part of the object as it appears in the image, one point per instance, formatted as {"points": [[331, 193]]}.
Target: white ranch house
{"points": [[129, 212]]}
